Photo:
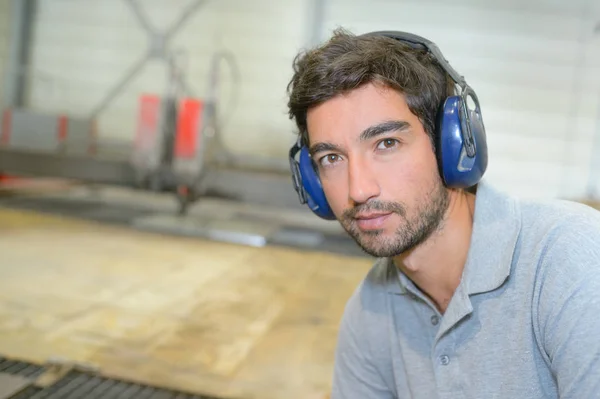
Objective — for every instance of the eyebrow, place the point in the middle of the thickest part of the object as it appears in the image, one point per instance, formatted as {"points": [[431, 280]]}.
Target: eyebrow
{"points": [[384, 127], [367, 134]]}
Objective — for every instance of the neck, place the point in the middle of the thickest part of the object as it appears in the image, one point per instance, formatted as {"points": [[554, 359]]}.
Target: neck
{"points": [[436, 265]]}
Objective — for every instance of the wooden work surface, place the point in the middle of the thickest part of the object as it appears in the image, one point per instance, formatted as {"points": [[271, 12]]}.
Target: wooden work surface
{"points": [[208, 317]]}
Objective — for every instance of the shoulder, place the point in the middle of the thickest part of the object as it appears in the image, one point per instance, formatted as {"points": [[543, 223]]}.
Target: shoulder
{"points": [[563, 238], [565, 231], [567, 281]]}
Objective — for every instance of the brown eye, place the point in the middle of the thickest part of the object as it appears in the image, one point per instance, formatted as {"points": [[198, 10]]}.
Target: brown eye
{"points": [[387, 143], [329, 159]]}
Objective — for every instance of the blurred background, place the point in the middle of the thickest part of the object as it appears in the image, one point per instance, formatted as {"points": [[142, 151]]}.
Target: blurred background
{"points": [[151, 240]]}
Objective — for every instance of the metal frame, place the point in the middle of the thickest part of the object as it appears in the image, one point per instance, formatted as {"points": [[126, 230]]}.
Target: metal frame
{"points": [[58, 378], [22, 17], [157, 49], [221, 181]]}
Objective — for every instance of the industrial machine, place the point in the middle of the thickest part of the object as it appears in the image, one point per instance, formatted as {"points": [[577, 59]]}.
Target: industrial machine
{"points": [[175, 145]]}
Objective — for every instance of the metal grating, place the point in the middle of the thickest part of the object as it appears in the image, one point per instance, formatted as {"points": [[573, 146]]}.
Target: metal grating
{"points": [[78, 384], [19, 368]]}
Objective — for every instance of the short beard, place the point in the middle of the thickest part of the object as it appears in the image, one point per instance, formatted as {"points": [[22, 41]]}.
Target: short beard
{"points": [[415, 230]]}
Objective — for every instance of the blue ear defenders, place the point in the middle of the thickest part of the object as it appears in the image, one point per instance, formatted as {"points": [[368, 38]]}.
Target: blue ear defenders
{"points": [[461, 140]]}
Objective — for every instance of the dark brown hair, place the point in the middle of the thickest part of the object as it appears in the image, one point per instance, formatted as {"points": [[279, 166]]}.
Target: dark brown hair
{"points": [[347, 61]]}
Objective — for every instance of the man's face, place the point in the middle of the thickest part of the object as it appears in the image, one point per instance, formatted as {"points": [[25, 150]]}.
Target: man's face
{"points": [[378, 169]]}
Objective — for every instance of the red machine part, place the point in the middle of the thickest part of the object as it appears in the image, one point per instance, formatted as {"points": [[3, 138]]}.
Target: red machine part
{"points": [[188, 123], [189, 119]]}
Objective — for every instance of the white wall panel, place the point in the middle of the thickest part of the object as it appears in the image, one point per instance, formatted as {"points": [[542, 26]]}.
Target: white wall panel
{"points": [[82, 48], [4, 41], [535, 66]]}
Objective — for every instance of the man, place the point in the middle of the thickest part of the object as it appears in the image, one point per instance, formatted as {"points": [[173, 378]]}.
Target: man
{"points": [[475, 293]]}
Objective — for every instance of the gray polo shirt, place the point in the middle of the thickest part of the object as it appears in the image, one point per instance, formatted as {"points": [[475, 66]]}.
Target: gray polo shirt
{"points": [[524, 321]]}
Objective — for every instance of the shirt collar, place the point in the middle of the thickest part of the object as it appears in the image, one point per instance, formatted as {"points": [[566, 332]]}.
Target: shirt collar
{"points": [[496, 229]]}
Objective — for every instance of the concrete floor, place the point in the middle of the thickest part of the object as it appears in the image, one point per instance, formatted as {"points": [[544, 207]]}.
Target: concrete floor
{"points": [[187, 313]]}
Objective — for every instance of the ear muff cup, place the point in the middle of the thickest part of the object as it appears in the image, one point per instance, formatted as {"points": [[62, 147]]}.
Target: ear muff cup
{"points": [[315, 196], [457, 168]]}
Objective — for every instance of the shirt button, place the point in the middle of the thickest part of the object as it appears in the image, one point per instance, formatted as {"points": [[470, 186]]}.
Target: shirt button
{"points": [[444, 360], [435, 320]]}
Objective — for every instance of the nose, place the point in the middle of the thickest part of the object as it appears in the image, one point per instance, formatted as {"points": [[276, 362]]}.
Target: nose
{"points": [[362, 182]]}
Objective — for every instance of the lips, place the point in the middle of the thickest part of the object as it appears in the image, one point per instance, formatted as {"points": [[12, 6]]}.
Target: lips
{"points": [[372, 221]]}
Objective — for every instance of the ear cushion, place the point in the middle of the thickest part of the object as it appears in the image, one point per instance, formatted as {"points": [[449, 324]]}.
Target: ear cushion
{"points": [[316, 199], [458, 170]]}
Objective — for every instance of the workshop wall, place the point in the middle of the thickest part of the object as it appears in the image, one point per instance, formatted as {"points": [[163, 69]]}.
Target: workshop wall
{"points": [[4, 40], [82, 49], [535, 66]]}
